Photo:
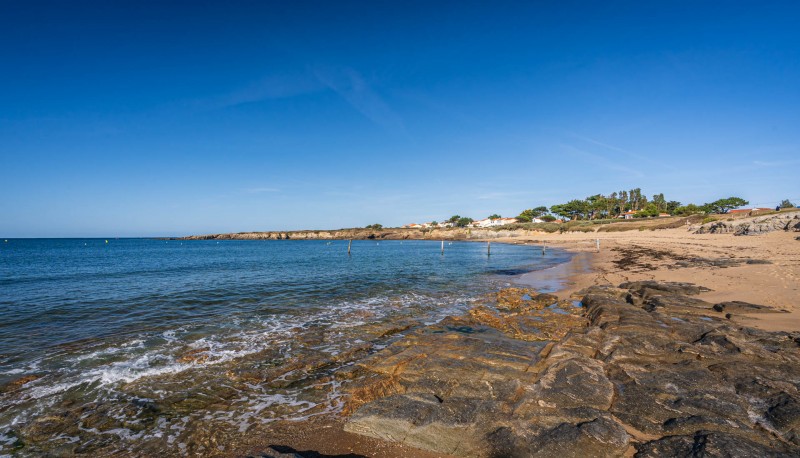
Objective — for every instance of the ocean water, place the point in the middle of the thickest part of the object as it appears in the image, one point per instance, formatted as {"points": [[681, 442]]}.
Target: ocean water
{"points": [[151, 347]]}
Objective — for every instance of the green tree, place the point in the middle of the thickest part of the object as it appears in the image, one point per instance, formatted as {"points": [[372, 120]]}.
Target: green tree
{"points": [[723, 205], [595, 206], [434, 223], [375, 226], [623, 202], [660, 202], [574, 209], [526, 216], [672, 206], [463, 222], [611, 205], [454, 219], [687, 210], [548, 218], [648, 211], [785, 203], [560, 210], [495, 216]]}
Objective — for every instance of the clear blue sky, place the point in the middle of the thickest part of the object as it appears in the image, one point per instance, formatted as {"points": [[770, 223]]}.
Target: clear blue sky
{"points": [[153, 118]]}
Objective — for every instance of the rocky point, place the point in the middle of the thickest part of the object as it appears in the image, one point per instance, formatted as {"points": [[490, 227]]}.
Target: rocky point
{"points": [[645, 369]]}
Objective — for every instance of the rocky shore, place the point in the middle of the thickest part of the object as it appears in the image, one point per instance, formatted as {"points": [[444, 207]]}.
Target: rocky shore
{"points": [[644, 369], [367, 234], [788, 221]]}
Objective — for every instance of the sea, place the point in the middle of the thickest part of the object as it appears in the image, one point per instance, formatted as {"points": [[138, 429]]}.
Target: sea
{"points": [[143, 347]]}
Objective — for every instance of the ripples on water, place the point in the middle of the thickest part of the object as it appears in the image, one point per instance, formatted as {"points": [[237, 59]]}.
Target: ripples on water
{"points": [[173, 347]]}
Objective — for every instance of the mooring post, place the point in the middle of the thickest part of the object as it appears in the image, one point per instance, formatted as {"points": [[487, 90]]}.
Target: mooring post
{"points": [[598, 245], [544, 247], [348, 246], [488, 248], [442, 246]]}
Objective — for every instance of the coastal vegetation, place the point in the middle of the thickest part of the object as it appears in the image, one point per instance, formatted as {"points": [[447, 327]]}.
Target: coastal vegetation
{"points": [[460, 221], [632, 202]]}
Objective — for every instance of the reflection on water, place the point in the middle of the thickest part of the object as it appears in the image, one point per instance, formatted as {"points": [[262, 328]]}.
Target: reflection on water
{"points": [[557, 277]]}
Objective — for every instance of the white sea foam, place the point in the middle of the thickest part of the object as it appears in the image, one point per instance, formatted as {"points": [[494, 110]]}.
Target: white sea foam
{"points": [[107, 371]]}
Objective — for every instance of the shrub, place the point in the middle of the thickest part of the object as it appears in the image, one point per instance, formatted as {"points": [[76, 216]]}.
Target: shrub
{"points": [[581, 229]]}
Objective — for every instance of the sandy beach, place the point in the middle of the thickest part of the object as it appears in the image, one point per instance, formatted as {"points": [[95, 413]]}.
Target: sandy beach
{"points": [[761, 269]]}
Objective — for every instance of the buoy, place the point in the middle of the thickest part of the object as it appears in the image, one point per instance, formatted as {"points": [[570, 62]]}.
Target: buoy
{"points": [[106, 241]]}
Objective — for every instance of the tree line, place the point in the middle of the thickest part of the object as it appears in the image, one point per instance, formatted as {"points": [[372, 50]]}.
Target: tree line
{"points": [[613, 205], [601, 206]]}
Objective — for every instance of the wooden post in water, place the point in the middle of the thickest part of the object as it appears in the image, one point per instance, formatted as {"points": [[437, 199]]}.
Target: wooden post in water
{"points": [[348, 246], [598, 245], [544, 247], [442, 246], [488, 248]]}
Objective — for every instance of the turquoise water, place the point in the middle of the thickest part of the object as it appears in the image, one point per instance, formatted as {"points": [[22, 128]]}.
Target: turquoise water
{"points": [[101, 327]]}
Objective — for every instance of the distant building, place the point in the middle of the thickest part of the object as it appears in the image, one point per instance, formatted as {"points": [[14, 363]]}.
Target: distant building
{"points": [[413, 226], [663, 215], [628, 214]]}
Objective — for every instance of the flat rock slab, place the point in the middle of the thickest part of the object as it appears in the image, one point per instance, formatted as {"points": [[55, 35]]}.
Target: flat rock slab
{"points": [[643, 369], [743, 307]]}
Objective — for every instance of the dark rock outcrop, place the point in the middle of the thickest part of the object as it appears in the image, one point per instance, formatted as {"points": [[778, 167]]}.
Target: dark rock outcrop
{"points": [[786, 221], [642, 369]]}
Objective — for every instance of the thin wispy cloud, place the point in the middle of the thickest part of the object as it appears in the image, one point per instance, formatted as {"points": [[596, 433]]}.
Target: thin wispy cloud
{"points": [[269, 88], [600, 160], [354, 89], [630, 154], [776, 163]]}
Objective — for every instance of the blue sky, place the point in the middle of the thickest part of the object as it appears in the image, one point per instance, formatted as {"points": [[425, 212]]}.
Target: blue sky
{"points": [[155, 118]]}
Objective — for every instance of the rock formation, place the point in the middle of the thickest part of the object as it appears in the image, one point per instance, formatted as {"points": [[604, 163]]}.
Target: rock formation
{"points": [[788, 221], [643, 369]]}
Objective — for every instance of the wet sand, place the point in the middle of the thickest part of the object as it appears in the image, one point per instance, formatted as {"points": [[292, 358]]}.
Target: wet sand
{"points": [[325, 436]]}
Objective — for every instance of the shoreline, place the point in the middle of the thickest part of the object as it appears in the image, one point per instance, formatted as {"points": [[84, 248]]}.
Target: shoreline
{"points": [[562, 280]]}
